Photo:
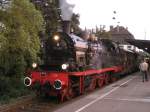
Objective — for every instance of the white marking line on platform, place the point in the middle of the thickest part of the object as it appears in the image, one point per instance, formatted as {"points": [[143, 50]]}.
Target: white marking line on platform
{"points": [[133, 100], [102, 96]]}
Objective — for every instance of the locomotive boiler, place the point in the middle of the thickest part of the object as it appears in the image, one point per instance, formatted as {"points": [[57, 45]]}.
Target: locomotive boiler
{"points": [[73, 65]]}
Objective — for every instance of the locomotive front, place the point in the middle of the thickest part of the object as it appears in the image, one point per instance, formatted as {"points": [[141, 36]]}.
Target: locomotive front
{"points": [[59, 51], [52, 77]]}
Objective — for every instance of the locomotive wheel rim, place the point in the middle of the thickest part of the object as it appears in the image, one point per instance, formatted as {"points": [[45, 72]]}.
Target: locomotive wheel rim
{"points": [[93, 85], [106, 79], [70, 93], [100, 82]]}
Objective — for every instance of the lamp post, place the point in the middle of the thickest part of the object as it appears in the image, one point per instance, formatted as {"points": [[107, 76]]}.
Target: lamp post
{"points": [[115, 18], [144, 34]]}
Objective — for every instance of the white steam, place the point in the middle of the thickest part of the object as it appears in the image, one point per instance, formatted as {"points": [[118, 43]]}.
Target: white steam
{"points": [[66, 10]]}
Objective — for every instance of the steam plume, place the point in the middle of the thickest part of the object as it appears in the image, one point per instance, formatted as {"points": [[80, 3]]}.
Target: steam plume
{"points": [[66, 10]]}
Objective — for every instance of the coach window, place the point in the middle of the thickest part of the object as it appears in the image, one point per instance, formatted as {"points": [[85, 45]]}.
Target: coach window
{"points": [[81, 59]]}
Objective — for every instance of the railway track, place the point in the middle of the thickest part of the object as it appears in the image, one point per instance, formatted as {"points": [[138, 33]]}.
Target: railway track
{"points": [[40, 105], [34, 104], [31, 104]]}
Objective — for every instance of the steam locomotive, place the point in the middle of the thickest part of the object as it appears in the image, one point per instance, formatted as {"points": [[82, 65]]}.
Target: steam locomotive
{"points": [[73, 65]]}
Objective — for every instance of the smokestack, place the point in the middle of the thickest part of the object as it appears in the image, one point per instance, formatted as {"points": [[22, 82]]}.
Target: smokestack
{"points": [[66, 14], [66, 26]]}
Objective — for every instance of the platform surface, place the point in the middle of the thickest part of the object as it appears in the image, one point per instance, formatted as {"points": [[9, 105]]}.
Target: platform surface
{"points": [[129, 94]]}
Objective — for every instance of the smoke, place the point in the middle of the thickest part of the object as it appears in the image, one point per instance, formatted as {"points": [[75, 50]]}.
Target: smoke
{"points": [[66, 10]]}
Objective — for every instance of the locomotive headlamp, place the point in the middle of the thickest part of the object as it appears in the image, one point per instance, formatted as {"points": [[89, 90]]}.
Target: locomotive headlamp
{"points": [[56, 37], [27, 81], [34, 65], [57, 84], [64, 66]]}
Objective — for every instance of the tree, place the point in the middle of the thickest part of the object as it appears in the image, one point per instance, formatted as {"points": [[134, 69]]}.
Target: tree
{"points": [[4, 4], [75, 24], [21, 46], [103, 34], [50, 12]]}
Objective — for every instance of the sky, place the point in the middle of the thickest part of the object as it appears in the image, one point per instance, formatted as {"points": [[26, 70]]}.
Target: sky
{"points": [[134, 14]]}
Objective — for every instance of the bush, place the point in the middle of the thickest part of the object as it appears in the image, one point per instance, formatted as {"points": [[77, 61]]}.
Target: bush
{"points": [[11, 88]]}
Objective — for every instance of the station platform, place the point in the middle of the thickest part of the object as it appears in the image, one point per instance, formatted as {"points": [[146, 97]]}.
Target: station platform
{"points": [[129, 94]]}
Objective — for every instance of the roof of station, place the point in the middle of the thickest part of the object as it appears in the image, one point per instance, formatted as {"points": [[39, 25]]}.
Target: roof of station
{"points": [[141, 44]]}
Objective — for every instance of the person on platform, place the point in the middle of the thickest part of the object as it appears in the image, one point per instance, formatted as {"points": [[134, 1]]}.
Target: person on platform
{"points": [[144, 69]]}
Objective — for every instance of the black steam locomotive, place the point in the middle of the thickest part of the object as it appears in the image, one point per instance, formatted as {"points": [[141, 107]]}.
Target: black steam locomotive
{"points": [[73, 65]]}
